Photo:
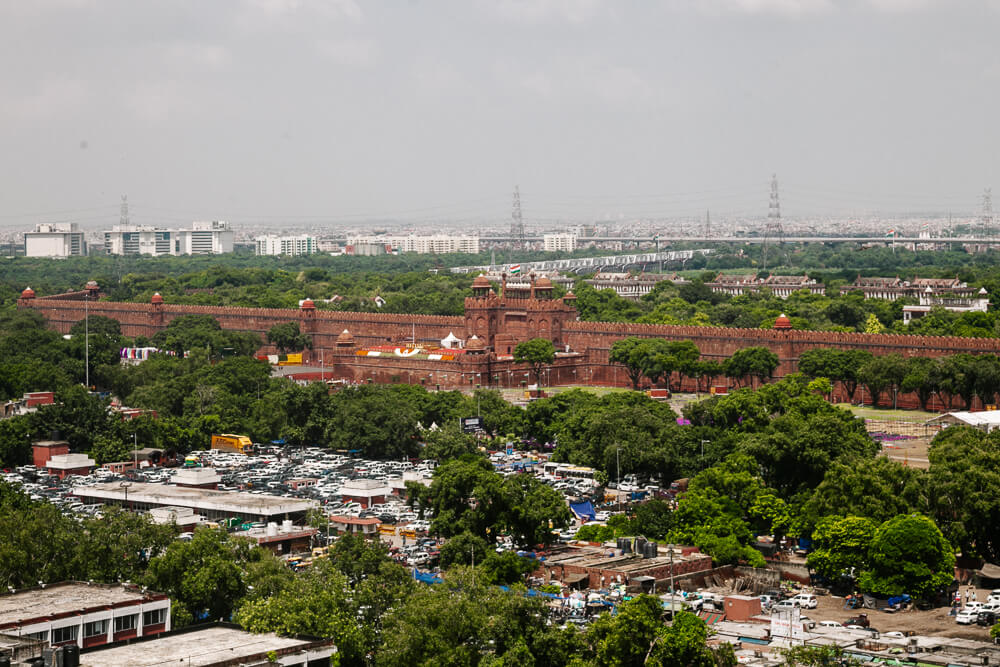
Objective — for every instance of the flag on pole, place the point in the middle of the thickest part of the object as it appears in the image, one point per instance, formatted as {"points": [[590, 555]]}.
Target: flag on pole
{"points": [[515, 269], [891, 232]]}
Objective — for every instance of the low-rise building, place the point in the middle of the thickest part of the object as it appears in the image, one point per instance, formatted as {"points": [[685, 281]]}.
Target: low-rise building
{"points": [[599, 566], [748, 283], [355, 525], [629, 286], [64, 465], [217, 645], [213, 505], [84, 614], [368, 492], [929, 300]]}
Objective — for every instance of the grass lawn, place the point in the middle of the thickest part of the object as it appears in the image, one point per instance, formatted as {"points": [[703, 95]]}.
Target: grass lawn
{"points": [[889, 414]]}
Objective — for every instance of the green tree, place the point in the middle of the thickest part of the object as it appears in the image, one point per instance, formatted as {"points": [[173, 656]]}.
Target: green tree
{"points": [[751, 362], [537, 353], [963, 485], [317, 602], [873, 326], [205, 577], [288, 337], [921, 378], [908, 554], [841, 546], [627, 352]]}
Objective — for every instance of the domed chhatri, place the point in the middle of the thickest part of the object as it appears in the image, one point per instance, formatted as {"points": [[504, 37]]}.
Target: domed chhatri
{"points": [[28, 293], [782, 322], [156, 298], [475, 344], [480, 282], [345, 339], [569, 297], [543, 283], [308, 304]]}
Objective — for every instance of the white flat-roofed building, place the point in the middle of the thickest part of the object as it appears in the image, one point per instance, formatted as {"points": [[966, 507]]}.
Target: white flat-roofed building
{"points": [[368, 492], [436, 244], [203, 238], [55, 239], [559, 242], [272, 244], [213, 505], [85, 614], [221, 645]]}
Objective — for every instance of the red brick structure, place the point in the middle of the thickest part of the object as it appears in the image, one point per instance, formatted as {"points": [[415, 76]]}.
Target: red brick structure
{"points": [[498, 322]]}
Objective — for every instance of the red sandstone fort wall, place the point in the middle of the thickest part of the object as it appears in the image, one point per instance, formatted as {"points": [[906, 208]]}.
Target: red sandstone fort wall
{"points": [[591, 340]]}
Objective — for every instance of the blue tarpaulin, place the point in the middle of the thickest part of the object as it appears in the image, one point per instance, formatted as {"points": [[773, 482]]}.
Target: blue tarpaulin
{"points": [[584, 509], [427, 577]]}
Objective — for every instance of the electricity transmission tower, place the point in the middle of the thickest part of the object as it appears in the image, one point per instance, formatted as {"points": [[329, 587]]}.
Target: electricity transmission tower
{"points": [[773, 230], [986, 221], [517, 222]]}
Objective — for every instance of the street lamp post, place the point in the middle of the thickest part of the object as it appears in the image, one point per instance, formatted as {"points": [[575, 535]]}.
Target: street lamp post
{"points": [[86, 340], [670, 547]]}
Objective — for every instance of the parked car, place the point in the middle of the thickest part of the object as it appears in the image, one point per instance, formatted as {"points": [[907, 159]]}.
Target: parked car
{"points": [[987, 618], [895, 634], [967, 616], [806, 600], [785, 605], [830, 624]]}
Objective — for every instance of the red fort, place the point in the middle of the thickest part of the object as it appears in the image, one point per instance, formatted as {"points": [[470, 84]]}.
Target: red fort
{"points": [[493, 324]]}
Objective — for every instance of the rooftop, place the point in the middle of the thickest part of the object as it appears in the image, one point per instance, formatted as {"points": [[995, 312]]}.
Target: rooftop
{"points": [[199, 499], [203, 648], [64, 598]]}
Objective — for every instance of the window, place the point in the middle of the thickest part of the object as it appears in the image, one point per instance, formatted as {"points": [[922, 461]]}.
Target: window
{"points": [[154, 617], [42, 636], [63, 635], [123, 623], [95, 628]]}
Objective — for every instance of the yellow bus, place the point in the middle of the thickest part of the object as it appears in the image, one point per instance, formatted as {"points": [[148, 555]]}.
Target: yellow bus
{"points": [[227, 442]]}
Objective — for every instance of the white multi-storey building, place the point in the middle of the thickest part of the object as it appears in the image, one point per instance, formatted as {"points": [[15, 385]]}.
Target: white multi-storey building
{"points": [[559, 242], [272, 244], [203, 238], [436, 244], [61, 239]]}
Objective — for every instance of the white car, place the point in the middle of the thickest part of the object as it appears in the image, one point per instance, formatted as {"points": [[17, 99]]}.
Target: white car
{"points": [[602, 516], [806, 600], [967, 616], [830, 624], [785, 605], [895, 634]]}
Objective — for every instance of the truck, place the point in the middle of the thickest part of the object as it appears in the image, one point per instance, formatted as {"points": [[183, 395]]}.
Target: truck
{"points": [[228, 442]]}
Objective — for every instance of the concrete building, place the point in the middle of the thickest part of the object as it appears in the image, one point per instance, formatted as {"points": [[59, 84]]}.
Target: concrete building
{"points": [[84, 614], [436, 244], [558, 242], [218, 645], [272, 244], [929, 299], [355, 525], [597, 567], [61, 239], [628, 286], [213, 505], [781, 286], [64, 465], [203, 238], [284, 538], [368, 492]]}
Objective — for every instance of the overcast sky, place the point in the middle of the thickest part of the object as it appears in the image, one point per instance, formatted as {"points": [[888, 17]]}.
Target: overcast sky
{"points": [[340, 110]]}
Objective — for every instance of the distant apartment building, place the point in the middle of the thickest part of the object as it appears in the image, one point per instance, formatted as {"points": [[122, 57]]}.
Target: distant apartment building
{"points": [[203, 238], [437, 244], [272, 244], [891, 289], [60, 239], [559, 242]]}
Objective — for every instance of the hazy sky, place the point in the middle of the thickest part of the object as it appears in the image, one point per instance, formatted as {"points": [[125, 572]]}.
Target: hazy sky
{"points": [[299, 110]]}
